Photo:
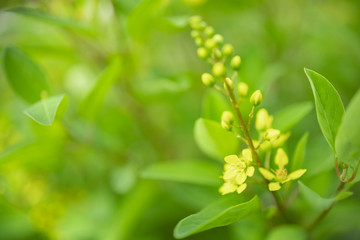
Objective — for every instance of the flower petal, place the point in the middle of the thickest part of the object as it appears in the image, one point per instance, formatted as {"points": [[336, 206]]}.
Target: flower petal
{"points": [[281, 159], [241, 178], [267, 174], [297, 174], [250, 171], [231, 159], [274, 186], [247, 155], [230, 173], [227, 188], [241, 188]]}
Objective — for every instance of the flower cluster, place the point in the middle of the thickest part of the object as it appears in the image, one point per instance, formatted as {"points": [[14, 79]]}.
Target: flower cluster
{"points": [[236, 171], [280, 175]]}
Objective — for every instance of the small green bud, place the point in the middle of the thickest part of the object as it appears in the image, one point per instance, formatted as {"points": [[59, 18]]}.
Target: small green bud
{"points": [[199, 41], [256, 98], [235, 63], [217, 54], [243, 89], [272, 134], [194, 21], [209, 31], [195, 34], [210, 43], [202, 52], [218, 39], [229, 83], [227, 117], [208, 79], [228, 50], [219, 69], [226, 126]]}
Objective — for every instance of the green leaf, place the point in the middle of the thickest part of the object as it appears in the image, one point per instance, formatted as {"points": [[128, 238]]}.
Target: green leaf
{"points": [[288, 117], [329, 107], [57, 21], [343, 196], [213, 105], [44, 111], [313, 199], [91, 105], [348, 139], [224, 212], [188, 171], [24, 76], [299, 154], [213, 140], [285, 232]]}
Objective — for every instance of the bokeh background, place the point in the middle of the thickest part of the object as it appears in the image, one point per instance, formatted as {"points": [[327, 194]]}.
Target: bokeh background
{"points": [[81, 177]]}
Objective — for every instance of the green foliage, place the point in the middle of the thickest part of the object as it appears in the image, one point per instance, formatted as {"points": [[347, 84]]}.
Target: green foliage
{"points": [[288, 117], [44, 111], [285, 232], [213, 140], [299, 154], [329, 107], [25, 77], [221, 213], [187, 171], [348, 142], [313, 199]]}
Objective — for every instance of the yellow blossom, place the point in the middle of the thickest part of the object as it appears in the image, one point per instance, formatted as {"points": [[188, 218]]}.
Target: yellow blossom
{"points": [[280, 175], [236, 171]]}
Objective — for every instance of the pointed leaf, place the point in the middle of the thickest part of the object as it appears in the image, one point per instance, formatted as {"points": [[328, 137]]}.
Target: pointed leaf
{"points": [[329, 107], [24, 76], [313, 199], [44, 111], [224, 212], [288, 117], [348, 139], [299, 154], [213, 140], [187, 171]]}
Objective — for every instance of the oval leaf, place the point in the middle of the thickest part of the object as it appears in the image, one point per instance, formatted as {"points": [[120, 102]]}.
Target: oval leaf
{"points": [[329, 107], [188, 171], [313, 199], [348, 139], [24, 76], [288, 117], [299, 154], [213, 140], [44, 111], [221, 213]]}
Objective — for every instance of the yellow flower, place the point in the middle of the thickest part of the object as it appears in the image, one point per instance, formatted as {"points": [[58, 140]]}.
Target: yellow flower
{"points": [[280, 175], [236, 171]]}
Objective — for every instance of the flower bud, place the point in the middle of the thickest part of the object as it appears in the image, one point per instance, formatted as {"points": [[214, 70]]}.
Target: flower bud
{"points": [[272, 134], [199, 41], [243, 89], [219, 69], [235, 62], [229, 83], [194, 21], [263, 120], [203, 53], [256, 98], [226, 126], [217, 54], [207, 79], [209, 31], [227, 117], [218, 39], [228, 50], [210, 43], [195, 34]]}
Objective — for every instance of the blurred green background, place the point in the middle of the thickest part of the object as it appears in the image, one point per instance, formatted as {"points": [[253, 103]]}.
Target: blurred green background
{"points": [[81, 177]]}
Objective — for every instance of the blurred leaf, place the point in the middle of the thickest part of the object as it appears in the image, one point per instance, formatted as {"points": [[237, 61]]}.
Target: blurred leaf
{"points": [[329, 107], [214, 103], [151, 87], [343, 196], [299, 154], [213, 140], [188, 171], [288, 117], [123, 178], [45, 17], [285, 232], [25, 77], [221, 213], [91, 105], [44, 111], [348, 139], [313, 199]]}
